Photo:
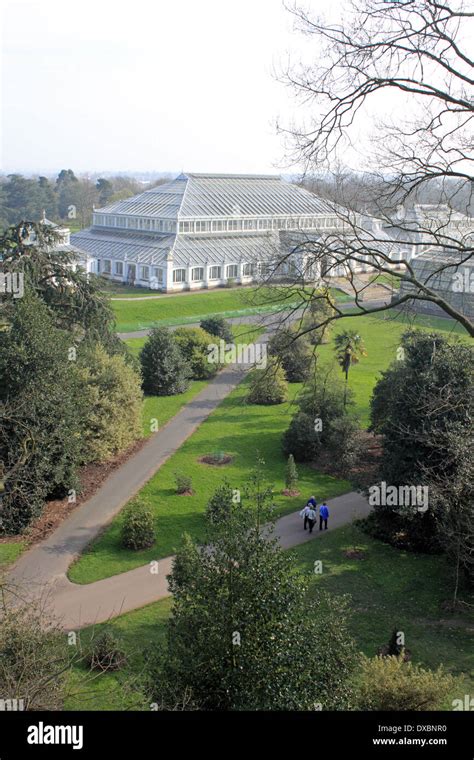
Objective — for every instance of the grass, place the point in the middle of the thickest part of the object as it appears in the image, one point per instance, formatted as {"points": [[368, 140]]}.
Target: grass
{"points": [[386, 279], [391, 589], [242, 430], [138, 631], [381, 335], [9, 552], [181, 309], [388, 588]]}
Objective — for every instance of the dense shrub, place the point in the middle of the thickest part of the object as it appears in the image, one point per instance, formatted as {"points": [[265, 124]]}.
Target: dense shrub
{"points": [[184, 483], [217, 326], [220, 504], [423, 407], [138, 529], [294, 354], [165, 371], [343, 442], [389, 683], [112, 386], [322, 422], [194, 343], [107, 653], [321, 307], [268, 386], [301, 439]]}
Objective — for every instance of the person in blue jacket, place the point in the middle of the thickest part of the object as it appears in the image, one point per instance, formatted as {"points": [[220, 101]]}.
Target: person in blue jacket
{"points": [[323, 516]]}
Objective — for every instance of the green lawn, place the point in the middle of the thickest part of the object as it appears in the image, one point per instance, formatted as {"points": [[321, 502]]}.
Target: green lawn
{"points": [[122, 290], [388, 588], [391, 588], [381, 334], [241, 430], [181, 309], [9, 552]]}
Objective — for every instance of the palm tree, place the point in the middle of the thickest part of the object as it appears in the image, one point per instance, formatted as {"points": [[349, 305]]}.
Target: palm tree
{"points": [[349, 348]]}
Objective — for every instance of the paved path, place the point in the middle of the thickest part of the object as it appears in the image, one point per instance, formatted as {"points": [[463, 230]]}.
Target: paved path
{"points": [[79, 605]]}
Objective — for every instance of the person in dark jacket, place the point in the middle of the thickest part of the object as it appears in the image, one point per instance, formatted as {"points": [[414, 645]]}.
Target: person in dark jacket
{"points": [[323, 516]]}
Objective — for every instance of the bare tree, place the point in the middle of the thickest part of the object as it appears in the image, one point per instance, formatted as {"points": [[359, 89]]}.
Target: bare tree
{"points": [[414, 54]]}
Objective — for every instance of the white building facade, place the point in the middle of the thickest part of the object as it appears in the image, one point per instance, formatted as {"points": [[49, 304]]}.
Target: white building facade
{"points": [[207, 230]]}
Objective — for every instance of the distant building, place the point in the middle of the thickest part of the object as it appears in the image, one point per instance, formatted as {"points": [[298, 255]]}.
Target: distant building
{"points": [[208, 230], [454, 283], [205, 230]]}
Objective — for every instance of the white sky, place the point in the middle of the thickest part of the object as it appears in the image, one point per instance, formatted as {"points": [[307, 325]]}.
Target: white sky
{"points": [[149, 85]]}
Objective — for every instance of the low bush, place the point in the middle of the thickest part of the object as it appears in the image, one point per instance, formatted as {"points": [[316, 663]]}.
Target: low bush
{"points": [[138, 530], [107, 653]]}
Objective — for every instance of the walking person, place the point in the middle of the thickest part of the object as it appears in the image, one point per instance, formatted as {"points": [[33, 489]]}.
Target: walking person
{"points": [[311, 517], [311, 503], [323, 516]]}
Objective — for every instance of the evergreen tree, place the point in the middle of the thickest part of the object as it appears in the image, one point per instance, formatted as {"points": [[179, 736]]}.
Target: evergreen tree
{"points": [[294, 354], [194, 343], [218, 327], [242, 622], [42, 397], [422, 406], [66, 186], [75, 299], [268, 386], [291, 474], [105, 190], [165, 371]]}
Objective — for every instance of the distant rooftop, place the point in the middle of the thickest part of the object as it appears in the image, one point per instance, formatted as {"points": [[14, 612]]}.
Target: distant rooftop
{"points": [[221, 195]]}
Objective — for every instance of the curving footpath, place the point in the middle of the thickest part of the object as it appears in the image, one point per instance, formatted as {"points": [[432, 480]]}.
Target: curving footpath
{"points": [[41, 571]]}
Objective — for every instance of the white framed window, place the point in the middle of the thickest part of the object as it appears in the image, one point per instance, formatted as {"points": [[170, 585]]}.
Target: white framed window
{"points": [[248, 270], [215, 273], [232, 270], [158, 274], [144, 273], [119, 267], [197, 274], [179, 275], [107, 266]]}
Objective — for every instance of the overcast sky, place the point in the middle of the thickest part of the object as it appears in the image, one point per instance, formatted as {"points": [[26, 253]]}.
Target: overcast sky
{"points": [[105, 85]]}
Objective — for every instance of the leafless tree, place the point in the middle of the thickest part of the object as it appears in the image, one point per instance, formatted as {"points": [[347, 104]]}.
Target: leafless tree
{"points": [[412, 54]]}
